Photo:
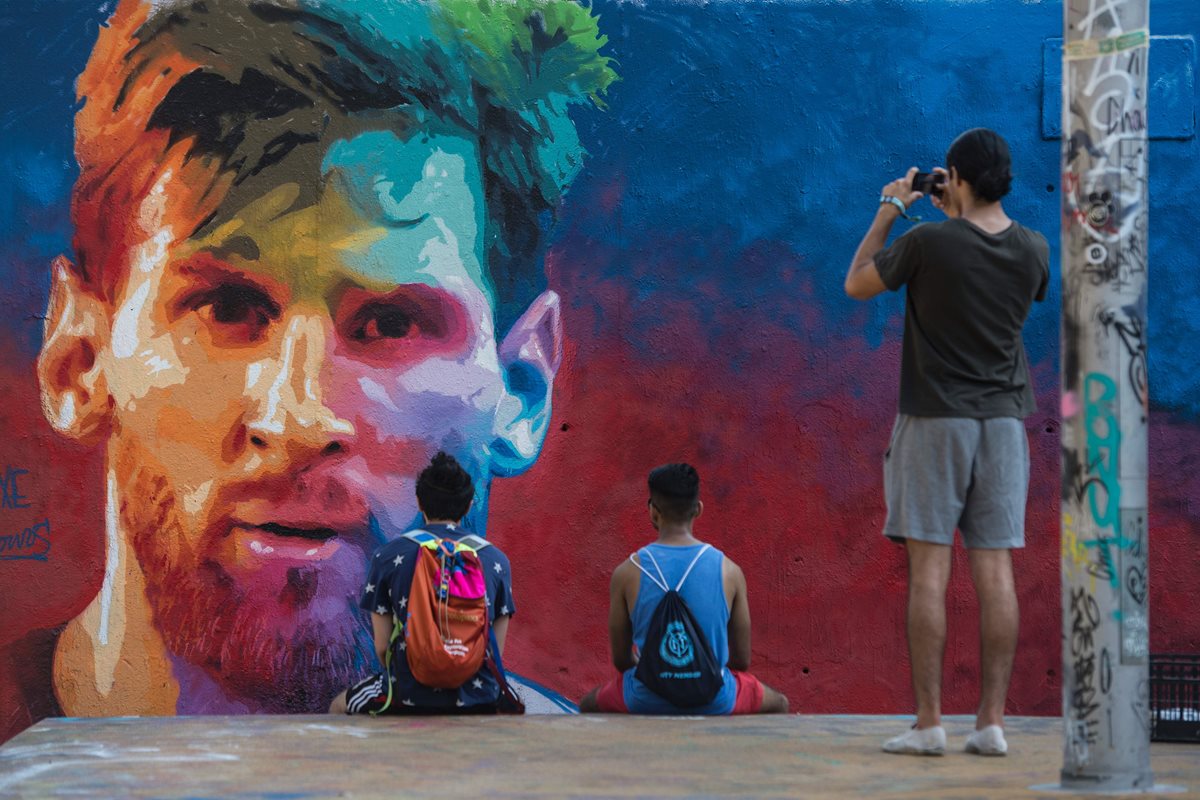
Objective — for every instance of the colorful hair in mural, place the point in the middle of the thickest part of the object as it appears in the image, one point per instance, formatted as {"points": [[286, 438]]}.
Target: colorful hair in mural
{"points": [[308, 244]]}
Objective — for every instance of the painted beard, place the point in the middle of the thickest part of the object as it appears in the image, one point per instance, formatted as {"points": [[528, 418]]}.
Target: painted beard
{"points": [[283, 640]]}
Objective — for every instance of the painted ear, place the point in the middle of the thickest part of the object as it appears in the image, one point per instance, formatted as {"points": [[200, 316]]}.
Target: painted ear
{"points": [[75, 395], [529, 355]]}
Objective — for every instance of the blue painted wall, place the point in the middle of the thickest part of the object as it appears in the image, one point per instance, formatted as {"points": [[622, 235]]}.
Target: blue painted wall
{"points": [[748, 122]]}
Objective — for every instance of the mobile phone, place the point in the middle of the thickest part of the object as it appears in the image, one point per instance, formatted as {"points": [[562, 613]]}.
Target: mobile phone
{"points": [[928, 183]]}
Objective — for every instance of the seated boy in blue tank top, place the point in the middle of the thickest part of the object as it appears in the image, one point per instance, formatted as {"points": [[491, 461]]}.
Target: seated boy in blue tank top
{"points": [[714, 589]]}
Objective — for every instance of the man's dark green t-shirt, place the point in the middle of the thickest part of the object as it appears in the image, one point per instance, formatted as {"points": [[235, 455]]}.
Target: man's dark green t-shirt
{"points": [[969, 292]]}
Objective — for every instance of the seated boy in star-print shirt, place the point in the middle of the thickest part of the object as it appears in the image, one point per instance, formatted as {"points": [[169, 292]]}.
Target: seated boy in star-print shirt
{"points": [[444, 493]]}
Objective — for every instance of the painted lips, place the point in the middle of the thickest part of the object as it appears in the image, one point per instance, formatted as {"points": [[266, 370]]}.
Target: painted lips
{"points": [[316, 534], [272, 541], [294, 520], [264, 530]]}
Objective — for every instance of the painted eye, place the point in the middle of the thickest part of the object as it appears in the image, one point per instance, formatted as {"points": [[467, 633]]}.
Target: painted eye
{"points": [[383, 322], [240, 312], [409, 321]]}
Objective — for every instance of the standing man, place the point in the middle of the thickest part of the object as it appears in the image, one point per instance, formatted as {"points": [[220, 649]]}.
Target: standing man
{"points": [[958, 455]]}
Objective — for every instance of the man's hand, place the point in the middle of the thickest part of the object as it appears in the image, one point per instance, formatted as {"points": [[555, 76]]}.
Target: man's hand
{"points": [[901, 189], [936, 199], [862, 279]]}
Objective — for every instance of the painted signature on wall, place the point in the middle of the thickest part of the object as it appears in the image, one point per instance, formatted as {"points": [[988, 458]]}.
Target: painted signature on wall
{"points": [[12, 497], [27, 544]]}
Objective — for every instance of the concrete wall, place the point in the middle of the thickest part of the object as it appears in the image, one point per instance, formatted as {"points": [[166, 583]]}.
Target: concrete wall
{"points": [[698, 260]]}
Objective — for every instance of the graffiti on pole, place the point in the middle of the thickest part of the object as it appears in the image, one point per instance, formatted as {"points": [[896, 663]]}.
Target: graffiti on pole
{"points": [[1105, 393]]}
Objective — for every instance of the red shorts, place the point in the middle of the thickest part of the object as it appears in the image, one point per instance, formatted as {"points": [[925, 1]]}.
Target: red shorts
{"points": [[748, 700]]}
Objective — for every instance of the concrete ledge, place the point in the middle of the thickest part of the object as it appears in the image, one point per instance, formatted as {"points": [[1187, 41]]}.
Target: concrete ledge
{"points": [[535, 756]]}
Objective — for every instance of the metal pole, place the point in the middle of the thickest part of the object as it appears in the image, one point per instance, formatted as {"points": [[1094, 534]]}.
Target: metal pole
{"points": [[1105, 400]]}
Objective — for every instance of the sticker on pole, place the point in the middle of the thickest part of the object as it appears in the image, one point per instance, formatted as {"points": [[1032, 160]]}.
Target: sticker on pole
{"points": [[1096, 48]]}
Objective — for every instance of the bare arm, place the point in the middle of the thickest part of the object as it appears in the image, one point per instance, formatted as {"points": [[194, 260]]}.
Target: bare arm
{"points": [[500, 626], [620, 626], [381, 628], [862, 279], [739, 617]]}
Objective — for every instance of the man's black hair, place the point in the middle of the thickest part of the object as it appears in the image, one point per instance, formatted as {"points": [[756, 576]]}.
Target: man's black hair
{"points": [[444, 489], [675, 491], [981, 158]]}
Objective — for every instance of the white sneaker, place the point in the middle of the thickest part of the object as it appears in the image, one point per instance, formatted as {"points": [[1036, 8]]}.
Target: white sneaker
{"points": [[987, 742], [922, 742]]}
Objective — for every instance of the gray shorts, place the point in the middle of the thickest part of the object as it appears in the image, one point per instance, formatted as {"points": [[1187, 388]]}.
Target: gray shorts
{"points": [[940, 473]]}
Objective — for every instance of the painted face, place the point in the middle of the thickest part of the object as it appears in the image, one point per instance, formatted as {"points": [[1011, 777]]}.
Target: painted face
{"points": [[278, 381]]}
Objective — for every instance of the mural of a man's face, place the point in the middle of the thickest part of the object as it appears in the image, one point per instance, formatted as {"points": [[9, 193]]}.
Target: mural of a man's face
{"points": [[278, 378], [307, 258]]}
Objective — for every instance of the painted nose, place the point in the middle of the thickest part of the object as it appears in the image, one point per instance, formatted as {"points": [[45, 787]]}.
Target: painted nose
{"points": [[289, 413]]}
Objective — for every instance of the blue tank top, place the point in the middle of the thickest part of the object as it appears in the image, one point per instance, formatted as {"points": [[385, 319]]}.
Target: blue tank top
{"points": [[704, 592]]}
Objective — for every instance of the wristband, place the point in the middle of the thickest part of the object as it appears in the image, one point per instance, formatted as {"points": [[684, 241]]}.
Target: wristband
{"points": [[898, 203]]}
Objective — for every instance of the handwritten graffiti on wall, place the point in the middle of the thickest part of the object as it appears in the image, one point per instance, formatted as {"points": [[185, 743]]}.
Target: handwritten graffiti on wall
{"points": [[28, 542], [13, 497], [1103, 460], [1074, 551], [1105, 185], [1133, 612], [1103, 449], [1089, 670], [1126, 324]]}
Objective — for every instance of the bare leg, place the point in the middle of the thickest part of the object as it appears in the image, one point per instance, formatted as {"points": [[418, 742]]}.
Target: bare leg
{"points": [[773, 702], [928, 575], [589, 705], [991, 571], [338, 706]]}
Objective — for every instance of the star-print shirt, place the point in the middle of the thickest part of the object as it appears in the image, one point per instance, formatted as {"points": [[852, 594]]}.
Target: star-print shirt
{"points": [[389, 579]]}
